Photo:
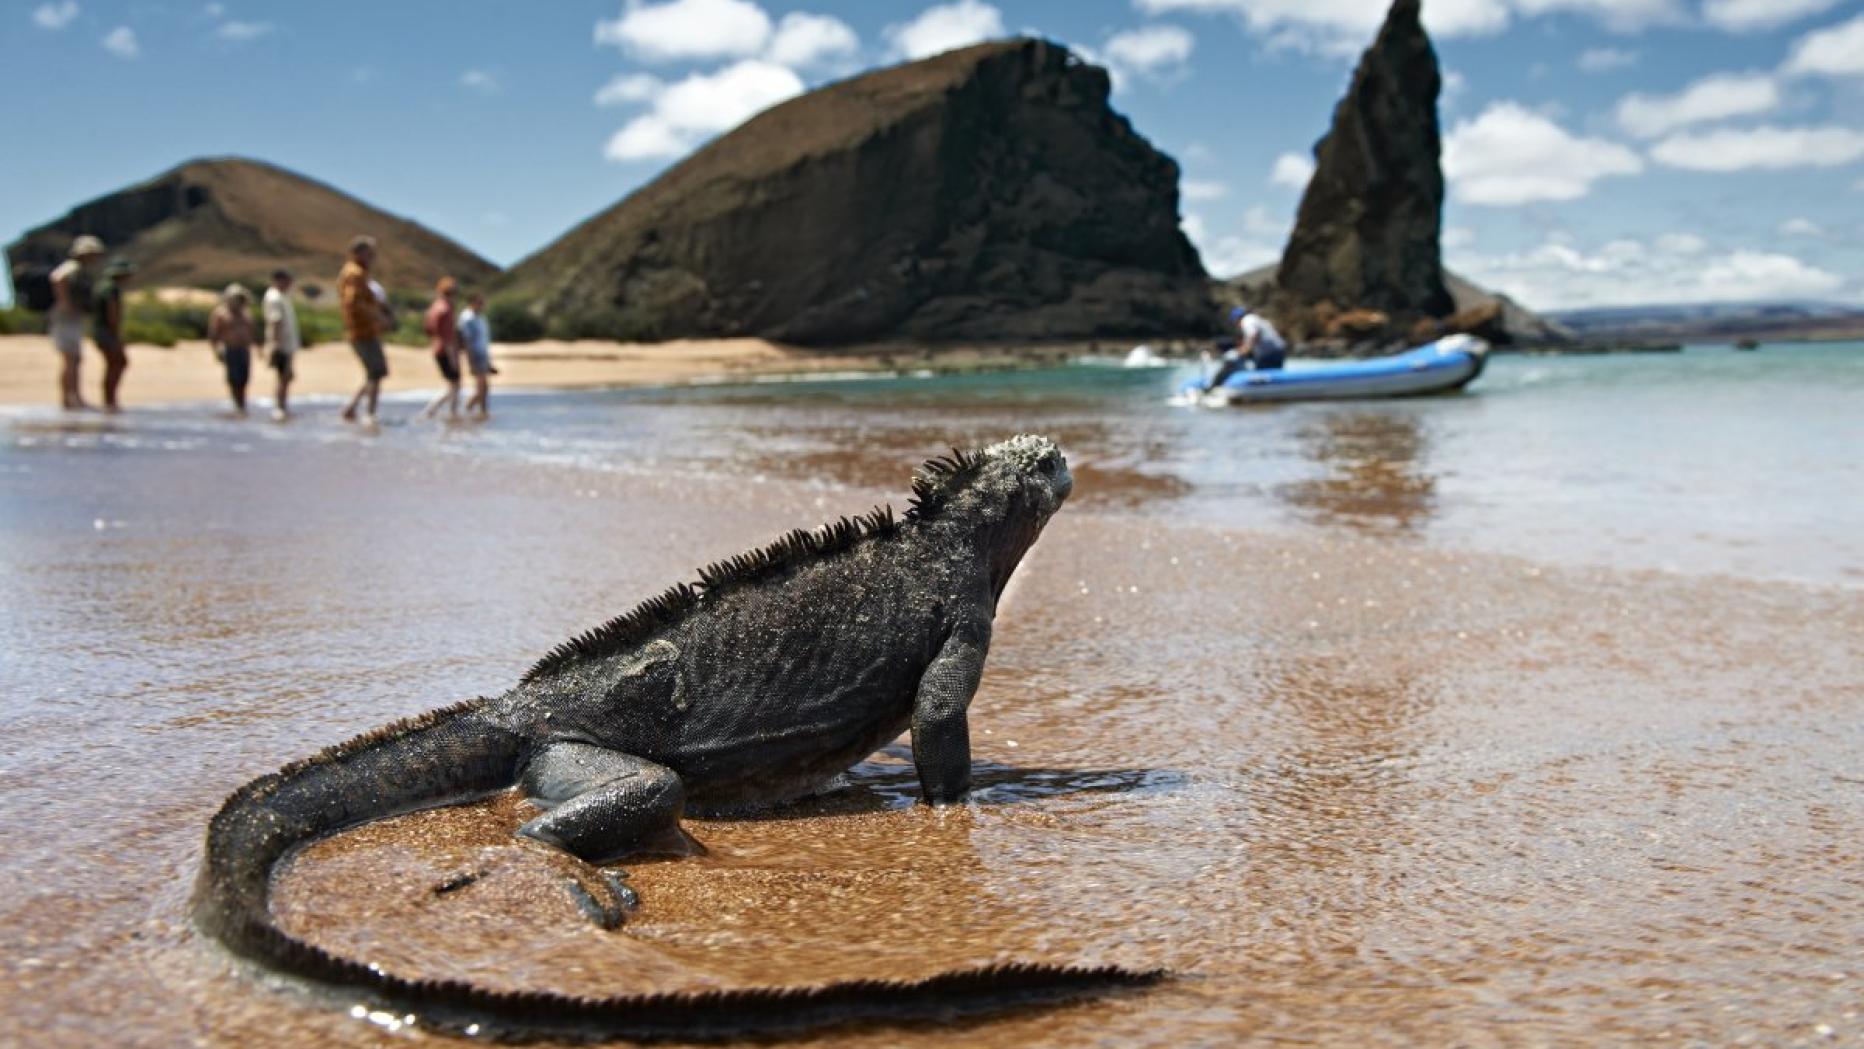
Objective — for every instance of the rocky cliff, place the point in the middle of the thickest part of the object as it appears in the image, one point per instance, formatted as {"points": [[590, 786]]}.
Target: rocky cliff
{"points": [[212, 221], [984, 194], [1365, 238]]}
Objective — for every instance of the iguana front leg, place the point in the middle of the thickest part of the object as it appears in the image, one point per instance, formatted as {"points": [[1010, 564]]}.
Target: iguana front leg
{"points": [[941, 731]]}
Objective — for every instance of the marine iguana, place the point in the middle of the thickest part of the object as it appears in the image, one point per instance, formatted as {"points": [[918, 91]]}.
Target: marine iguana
{"points": [[777, 671]]}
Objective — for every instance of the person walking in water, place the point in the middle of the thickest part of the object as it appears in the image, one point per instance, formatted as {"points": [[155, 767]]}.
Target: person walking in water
{"points": [[71, 301], [232, 333], [442, 327], [1262, 347], [476, 340], [107, 327], [362, 324], [281, 333]]}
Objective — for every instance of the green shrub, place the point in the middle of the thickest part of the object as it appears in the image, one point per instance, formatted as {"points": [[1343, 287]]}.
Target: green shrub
{"points": [[18, 320], [621, 324], [512, 321], [146, 331]]}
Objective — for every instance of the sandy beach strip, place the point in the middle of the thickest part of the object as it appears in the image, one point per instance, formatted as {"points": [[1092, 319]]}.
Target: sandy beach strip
{"points": [[188, 372]]}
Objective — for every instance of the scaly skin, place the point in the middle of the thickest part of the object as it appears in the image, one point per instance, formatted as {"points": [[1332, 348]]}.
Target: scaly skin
{"points": [[779, 670]]}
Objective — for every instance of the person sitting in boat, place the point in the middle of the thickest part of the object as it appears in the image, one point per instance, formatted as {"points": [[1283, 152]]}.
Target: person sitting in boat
{"points": [[1261, 348]]}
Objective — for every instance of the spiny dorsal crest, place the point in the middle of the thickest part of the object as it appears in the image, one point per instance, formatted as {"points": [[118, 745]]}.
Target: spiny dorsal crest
{"points": [[937, 478], [647, 618]]}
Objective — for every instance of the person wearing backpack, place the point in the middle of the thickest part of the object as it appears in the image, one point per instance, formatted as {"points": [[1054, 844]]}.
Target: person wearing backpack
{"points": [[71, 303]]}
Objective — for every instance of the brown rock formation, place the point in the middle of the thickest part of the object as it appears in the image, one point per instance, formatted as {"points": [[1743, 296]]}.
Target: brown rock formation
{"points": [[984, 194], [1366, 234], [209, 222]]}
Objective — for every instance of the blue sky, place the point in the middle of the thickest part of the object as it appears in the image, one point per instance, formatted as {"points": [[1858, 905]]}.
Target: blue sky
{"points": [[1599, 151]]}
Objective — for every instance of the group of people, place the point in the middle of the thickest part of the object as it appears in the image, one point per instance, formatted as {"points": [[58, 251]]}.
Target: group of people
{"points": [[83, 289]]}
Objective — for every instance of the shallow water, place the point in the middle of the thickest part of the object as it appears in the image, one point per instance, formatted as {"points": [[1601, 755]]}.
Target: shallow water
{"points": [[1375, 723]]}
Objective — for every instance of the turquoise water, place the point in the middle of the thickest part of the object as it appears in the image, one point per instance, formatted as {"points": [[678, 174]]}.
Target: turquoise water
{"points": [[1709, 461]]}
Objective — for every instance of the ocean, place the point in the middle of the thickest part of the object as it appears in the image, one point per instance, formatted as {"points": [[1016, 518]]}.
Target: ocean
{"points": [[1525, 715]]}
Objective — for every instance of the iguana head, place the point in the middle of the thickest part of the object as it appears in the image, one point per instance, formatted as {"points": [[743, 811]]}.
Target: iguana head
{"points": [[1002, 496]]}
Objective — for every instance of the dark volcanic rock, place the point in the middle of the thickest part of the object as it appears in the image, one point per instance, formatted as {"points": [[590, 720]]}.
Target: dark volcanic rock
{"points": [[209, 222], [1366, 234], [983, 194]]}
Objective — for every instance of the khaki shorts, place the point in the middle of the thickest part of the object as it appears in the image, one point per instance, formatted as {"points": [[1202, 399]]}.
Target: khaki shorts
{"points": [[374, 363], [67, 334]]}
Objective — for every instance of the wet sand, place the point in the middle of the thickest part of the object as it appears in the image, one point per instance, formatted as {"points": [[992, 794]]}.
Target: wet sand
{"points": [[1350, 788]]}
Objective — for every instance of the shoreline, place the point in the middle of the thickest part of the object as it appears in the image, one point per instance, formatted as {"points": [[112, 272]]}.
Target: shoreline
{"points": [[187, 373]]}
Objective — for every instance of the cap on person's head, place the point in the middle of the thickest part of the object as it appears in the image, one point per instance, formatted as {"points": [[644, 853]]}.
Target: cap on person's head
{"points": [[86, 245], [361, 243], [236, 291], [119, 268], [447, 286], [1238, 314], [281, 274]]}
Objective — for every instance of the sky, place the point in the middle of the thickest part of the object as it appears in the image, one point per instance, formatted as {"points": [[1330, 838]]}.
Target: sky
{"points": [[1598, 152]]}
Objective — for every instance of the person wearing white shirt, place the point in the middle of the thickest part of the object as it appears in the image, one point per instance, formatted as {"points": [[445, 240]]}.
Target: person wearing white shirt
{"points": [[281, 331], [1262, 348], [476, 340]]}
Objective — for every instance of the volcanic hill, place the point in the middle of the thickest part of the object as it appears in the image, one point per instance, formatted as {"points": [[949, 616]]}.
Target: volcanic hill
{"points": [[217, 220], [984, 194]]}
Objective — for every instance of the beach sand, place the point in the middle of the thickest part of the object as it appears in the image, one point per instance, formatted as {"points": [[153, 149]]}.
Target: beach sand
{"points": [[1350, 788], [188, 371]]}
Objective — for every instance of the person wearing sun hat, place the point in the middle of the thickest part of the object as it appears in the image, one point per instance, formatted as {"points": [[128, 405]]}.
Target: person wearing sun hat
{"points": [[107, 326], [71, 300], [233, 334]]}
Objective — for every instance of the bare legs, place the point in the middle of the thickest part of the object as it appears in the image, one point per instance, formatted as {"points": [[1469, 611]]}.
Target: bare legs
{"points": [[68, 394], [450, 397], [370, 392], [116, 362], [481, 397]]}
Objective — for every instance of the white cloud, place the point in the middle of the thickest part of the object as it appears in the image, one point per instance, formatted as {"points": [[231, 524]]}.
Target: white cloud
{"points": [[1229, 254], [944, 28], [1149, 50], [1739, 16], [479, 80], [685, 112], [121, 42], [1681, 244], [214, 10], [1800, 227], [1293, 170], [239, 32], [1622, 16], [803, 39], [1193, 189], [1834, 51], [629, 87], [1675, 269], [1339, 27], [1715, 97], [1458, 237], [1762, 148], [687, 29], [55, 16], [1512, 155], [1605, 59]]}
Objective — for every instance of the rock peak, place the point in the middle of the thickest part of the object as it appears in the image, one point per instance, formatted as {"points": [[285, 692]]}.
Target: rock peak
{"points": [[988, 194], [1366, 234]]}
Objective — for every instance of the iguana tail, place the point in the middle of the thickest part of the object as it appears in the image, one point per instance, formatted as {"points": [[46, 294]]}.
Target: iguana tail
{"points": [[454, 754]]}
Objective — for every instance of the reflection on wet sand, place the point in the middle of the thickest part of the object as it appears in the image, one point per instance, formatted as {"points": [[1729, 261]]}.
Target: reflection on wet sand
{"points": [[1377, 475]]}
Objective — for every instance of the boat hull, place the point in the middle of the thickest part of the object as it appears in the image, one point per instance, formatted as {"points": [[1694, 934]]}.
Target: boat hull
{"points": [[1439, 367]]}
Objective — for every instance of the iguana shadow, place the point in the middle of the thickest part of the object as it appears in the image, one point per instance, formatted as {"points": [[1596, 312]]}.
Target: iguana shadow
{"points": [[888, 781]]}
